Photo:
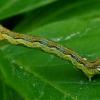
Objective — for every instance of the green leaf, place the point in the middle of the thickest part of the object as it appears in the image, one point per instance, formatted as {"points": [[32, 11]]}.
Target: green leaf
{"points": [[56, 11], [44, 72], [30, 74], [13, 79], [10, 8]]}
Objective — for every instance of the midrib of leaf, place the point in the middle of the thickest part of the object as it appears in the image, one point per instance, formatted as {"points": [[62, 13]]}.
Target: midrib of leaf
{"points": [[47, 82]]}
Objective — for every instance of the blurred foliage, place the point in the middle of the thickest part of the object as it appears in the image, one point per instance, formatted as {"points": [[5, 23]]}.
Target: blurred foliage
{"points": [[29, 74]]}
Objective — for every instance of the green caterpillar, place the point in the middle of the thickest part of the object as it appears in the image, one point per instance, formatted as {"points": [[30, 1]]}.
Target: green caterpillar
{"points": [[89, 68]]}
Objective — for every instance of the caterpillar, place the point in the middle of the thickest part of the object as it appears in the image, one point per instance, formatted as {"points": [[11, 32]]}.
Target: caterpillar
{"points": [[89, 68]]}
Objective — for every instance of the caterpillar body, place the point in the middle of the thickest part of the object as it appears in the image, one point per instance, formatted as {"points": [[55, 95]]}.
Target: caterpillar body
{"points": [[89, 68]]}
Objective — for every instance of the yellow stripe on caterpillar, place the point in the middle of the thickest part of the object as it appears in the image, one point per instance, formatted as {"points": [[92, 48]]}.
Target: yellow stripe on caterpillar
{"points": [[89, 68]]}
